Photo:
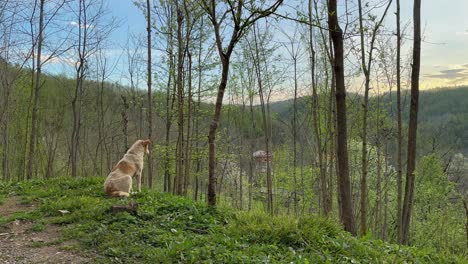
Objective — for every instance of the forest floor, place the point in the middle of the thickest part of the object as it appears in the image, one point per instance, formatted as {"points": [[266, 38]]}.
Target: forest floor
{"points": [[22, 241]]}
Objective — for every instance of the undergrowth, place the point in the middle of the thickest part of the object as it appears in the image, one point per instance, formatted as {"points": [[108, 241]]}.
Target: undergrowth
{"points": [[172, 229]]}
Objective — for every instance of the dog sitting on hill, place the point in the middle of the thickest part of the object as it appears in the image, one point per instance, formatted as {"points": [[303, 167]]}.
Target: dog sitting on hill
{"points": [[119, 180]]}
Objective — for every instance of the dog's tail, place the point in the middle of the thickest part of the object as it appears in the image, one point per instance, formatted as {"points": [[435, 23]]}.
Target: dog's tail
{"points": [[119, 194], [111, 191]]}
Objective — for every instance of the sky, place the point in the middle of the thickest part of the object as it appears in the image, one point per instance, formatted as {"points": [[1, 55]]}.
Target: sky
{"points": [[444, 57], [444, 54]]}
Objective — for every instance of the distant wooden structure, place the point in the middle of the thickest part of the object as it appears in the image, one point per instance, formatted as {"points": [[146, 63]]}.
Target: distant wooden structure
{"points": [[262, 158]]}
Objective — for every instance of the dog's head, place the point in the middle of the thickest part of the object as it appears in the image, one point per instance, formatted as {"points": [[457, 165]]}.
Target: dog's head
{"points": [[145, 144]]}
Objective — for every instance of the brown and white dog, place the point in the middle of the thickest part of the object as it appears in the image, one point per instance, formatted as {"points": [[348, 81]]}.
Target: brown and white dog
{"points": [[119, 180]]}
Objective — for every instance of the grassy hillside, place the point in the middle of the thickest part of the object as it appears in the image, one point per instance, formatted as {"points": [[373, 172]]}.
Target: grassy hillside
{"points": [[171, 229]]}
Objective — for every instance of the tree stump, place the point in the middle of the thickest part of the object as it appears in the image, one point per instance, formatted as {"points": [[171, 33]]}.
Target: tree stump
{"points": [[131, 208]]}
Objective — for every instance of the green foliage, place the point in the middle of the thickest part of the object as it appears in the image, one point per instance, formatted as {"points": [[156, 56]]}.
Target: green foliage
{"points": [[437, 209], [170, 229]]}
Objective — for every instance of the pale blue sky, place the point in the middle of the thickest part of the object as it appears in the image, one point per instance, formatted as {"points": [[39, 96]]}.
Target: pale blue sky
{"points": [[444, 50]]}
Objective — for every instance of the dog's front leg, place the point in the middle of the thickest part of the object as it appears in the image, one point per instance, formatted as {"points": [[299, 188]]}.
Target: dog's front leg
{"points": [[138, 178]]}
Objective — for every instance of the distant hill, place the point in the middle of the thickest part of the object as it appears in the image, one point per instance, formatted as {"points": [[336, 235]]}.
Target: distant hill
{"points": [[442, 117]]}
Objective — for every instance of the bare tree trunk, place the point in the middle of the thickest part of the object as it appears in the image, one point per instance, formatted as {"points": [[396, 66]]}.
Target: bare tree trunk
{"points": [[150, 97], [5, 143], [266, 129], [102, 139], [336, 33], [37, 87], [169, 104], [413, 123], [366, 69], [124, 115], [378, 188], [385, 219], [399, 129], [252, 145], [80, 78], [241, 152], [212, 181], [363, 209], [240, 25], [189, 115], [324, 187], [197, 119], [294, 130], [179, 179], [386, 175]]}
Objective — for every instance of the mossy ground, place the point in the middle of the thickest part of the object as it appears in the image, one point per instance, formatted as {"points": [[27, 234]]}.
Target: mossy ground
{"points": [[172, 229]]}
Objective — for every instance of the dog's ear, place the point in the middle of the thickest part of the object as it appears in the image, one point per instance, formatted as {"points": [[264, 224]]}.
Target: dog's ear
{"points": [[146, 142]]}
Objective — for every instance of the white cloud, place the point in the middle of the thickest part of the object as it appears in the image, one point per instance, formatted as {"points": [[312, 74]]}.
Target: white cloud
{"points": [[75, 24], [57, 60]]}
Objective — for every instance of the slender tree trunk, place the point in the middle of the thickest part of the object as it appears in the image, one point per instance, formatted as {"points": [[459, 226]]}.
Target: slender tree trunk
{"points": [[189, 114], [324, 187], [294, 133], [124, 115], [363, 208], [212, 181], [150, 97], [378, 188], [5, 143], [385, 219], [386, 175], [102, 137], [37, 87], [331, 126], [366, 69], [413, 122], [77, 102], [197, 119], [252, 144], [342, 149], [241, 154], [22, 164], [399, 129], [265, 127], [169, 106], [5, 121], [179, 179], [225, 54]]}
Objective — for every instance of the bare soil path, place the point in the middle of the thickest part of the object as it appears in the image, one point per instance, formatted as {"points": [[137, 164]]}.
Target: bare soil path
{"points": [[20, 244]]}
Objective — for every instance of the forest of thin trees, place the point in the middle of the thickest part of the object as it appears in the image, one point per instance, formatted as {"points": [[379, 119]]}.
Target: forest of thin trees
{"points": [[323, 92]]}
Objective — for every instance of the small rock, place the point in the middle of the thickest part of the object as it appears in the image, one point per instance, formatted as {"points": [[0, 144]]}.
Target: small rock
{"points": [[64, 212]]}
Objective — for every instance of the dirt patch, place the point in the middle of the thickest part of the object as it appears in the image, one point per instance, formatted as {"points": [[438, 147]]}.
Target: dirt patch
{"points": [[18, 244], [12, 205]]}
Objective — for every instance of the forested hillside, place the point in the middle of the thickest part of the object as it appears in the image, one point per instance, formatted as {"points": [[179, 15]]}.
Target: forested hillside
{"points": [[442, 115], [444, 118]]}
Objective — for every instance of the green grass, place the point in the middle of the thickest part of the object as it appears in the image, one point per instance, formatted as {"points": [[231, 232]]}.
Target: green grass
{"points": [[171, 229]]}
